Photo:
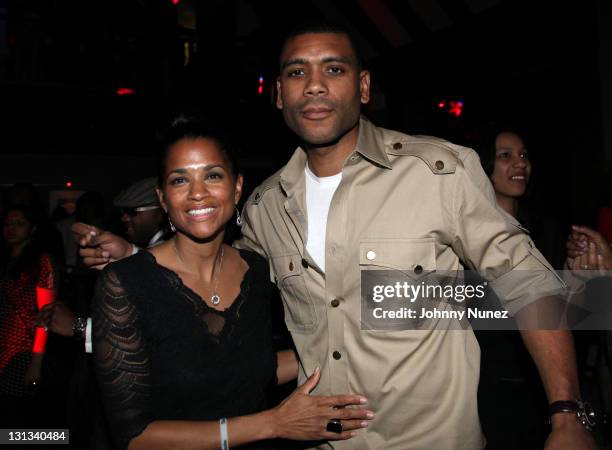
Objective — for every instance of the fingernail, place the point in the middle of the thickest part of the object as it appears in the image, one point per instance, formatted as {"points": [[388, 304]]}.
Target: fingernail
{"points": [[365, 424], [363, 400], [93, 233], [370, 415], [105, 254], [352, 434]]}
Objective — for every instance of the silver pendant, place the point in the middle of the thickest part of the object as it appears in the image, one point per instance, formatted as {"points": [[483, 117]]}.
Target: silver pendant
{"points": [[215, 299]]}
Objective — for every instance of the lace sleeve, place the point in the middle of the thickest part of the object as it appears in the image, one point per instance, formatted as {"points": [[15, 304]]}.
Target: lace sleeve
{"points": [[121, 359]]}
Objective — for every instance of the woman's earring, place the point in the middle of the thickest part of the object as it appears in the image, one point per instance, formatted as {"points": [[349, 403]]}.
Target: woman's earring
{"points": [[172, 228], [238, 217]]}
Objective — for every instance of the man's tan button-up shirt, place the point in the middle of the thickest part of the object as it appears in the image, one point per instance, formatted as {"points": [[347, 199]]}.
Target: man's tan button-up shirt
{"points": [[408, 203]]}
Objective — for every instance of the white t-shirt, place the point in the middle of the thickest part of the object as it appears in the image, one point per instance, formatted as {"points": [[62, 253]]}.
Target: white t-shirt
{"points": [[319, 193]]}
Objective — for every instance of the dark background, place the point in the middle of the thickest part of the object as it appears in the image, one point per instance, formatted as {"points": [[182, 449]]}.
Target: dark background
{"points": [[540, 65]]}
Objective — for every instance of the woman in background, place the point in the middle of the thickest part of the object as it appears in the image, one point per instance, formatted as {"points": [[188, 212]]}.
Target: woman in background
{"points": [[28, 281], [511, 400]]}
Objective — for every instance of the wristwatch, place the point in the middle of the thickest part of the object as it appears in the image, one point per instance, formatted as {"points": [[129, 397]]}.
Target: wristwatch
{"points": [[583, 410], [78, 327]]}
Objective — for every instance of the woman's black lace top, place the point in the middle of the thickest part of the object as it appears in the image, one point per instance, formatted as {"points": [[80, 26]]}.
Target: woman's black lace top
{"points": [[162, 354]]}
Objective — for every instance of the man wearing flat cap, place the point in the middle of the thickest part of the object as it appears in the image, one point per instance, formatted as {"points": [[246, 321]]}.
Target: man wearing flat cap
{"points": [[141, 213]]}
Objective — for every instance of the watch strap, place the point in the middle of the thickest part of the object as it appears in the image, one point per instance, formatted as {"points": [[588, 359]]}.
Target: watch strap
{"points": [[563, 406], [79, 326]]}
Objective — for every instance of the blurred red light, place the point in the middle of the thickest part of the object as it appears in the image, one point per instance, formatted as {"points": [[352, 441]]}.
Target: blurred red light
{"points": [[69, 184], [125, 91]]}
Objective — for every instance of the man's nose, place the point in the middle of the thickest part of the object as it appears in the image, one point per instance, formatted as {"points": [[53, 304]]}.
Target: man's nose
{"points": [[315, 85]]}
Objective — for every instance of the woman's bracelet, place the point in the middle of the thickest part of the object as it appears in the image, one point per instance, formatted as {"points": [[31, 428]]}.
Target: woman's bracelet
{"points": [[223, 431]]}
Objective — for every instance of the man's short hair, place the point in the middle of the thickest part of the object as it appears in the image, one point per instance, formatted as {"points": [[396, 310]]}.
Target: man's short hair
{"points": [[318, 26]]}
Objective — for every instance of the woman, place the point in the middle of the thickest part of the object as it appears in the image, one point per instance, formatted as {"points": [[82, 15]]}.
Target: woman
{"points": [[511, 400], [182, 332], [507, 162], [28, 281]]}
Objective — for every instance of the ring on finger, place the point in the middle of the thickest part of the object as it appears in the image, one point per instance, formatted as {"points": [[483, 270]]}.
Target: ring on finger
{"points": [[584, 267], [334, 426]]}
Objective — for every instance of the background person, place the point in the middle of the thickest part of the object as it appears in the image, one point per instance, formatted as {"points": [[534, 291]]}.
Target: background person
{"points": [[141, 214], [29, 279], [511, 400]]}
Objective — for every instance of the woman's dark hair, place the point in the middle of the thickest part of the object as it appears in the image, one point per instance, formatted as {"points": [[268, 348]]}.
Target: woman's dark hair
{"points": [[29, 258], [189, 127]]}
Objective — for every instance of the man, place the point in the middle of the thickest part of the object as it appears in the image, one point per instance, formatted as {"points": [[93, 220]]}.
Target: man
{"points": [[354, 197], [142, 216]]}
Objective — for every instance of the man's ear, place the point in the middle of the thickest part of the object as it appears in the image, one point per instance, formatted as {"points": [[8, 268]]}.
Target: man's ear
{"points": [[364, 86], [279, 100]]}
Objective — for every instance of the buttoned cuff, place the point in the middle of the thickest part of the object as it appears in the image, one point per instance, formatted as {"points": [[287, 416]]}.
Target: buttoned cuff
{"points": [[529, 281]]}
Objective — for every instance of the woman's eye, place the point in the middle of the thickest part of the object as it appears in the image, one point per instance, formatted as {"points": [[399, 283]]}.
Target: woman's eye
{"points": [[503, 155], [525, 155], [214, 176], [177, 180]]}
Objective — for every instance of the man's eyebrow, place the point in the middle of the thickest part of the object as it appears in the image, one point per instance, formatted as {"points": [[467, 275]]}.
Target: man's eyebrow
{"points": [[327, 59], [339, 59], [292, 62]]}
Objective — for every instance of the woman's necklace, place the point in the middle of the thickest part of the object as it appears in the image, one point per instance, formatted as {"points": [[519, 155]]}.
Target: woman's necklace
{"points": [[215, 299]]}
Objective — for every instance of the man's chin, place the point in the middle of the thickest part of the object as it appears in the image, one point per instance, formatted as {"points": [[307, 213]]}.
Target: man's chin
{"points": [[320, 139]]}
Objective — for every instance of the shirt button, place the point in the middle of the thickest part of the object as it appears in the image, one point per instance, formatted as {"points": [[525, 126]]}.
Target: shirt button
{"points": [[335, 303], [397, 146], [291, 266], [354, 158], [418, 269], [371, 255], [439, 165], [304, 263], [336, 355]]}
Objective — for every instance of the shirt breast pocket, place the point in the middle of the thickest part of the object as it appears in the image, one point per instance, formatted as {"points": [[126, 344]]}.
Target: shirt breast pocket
{"points": [[394, 273], [415, 258], [300, 313]]}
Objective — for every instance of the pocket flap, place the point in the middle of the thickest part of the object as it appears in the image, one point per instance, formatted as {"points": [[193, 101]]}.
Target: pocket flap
{"points": [[287, 266], [416, 257]]}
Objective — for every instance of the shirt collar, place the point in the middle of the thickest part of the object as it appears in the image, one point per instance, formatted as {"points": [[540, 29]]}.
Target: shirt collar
{"points": [[370, 145]]}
